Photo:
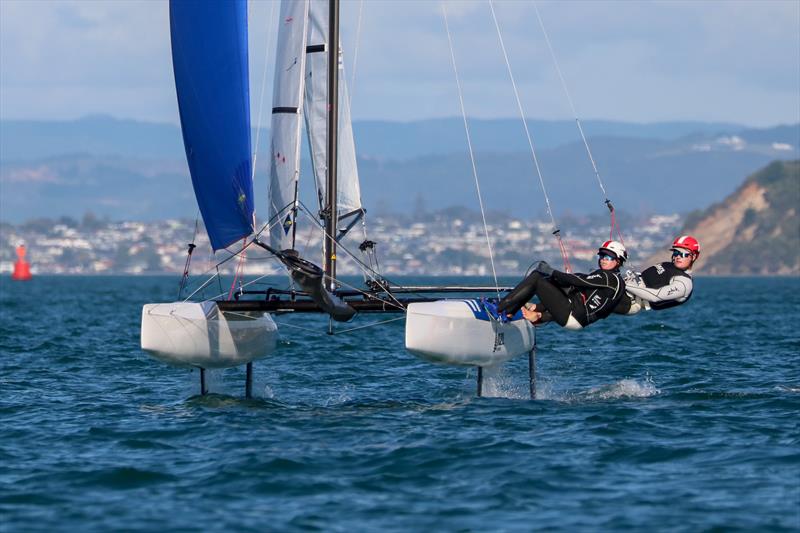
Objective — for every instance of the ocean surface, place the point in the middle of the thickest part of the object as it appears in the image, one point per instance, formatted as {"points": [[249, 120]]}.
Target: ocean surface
{"points": [[682, 420]]}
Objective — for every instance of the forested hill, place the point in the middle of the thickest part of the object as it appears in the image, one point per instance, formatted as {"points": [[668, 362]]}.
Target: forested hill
{"points": [[755, 230]]}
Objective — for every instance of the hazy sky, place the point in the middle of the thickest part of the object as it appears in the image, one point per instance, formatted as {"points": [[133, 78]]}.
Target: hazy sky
{"points": [[735, 61]]}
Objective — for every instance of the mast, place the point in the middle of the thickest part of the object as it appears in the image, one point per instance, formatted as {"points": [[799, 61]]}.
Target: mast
{"points": [[333, 123]]}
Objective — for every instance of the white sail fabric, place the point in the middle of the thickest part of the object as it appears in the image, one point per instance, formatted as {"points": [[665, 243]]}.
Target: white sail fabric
{"points": [[287, 108], [316, 90]]}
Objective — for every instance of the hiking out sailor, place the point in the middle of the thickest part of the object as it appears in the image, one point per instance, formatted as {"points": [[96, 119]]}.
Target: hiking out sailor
{"points": [[663, 285], [572, 300]]}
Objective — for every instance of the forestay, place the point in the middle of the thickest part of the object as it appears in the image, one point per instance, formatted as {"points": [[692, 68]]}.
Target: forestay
{"points": [[209, 56]]}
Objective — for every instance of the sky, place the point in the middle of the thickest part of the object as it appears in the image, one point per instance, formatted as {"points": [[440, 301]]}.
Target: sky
{"points": [[731, 61]]}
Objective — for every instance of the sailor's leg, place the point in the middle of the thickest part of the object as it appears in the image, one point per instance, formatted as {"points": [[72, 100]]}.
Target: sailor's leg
{"points": [[547, 316], [520, 294], [556, 304]]}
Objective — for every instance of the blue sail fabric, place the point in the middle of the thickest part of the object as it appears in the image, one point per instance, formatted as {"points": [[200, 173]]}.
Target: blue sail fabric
{"points": [[209, 58]]}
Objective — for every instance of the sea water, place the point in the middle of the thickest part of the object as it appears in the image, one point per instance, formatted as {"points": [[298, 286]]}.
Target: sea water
{"points": [[681, 420]]}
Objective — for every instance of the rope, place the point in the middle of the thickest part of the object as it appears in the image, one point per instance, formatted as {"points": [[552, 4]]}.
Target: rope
{"points": [[239, 267], [265, 227], [373, 324], [369, 295], [285, 324], [556, 230], [192, 246], [469, 145], [365, 268], [608, 203], [240, 315]]}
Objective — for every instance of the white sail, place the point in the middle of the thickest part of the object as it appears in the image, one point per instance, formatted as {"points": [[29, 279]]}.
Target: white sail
{"points": [[287, 108], [316, 89]]}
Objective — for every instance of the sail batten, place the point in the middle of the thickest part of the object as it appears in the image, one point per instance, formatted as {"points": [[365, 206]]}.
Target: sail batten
{"points": [[210, 63]]}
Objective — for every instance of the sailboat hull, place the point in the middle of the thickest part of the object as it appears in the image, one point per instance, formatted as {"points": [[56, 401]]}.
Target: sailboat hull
{"points": [[460, 332], [198, 334]]}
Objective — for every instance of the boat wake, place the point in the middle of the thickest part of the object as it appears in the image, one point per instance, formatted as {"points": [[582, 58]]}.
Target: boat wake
{"points": [[623, 389]]}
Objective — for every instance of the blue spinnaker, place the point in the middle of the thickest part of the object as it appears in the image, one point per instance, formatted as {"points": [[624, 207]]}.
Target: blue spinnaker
{"points": [[209, 57]]}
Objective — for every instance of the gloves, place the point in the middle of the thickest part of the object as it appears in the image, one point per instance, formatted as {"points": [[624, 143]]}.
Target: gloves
{"points": [[543, 268]]}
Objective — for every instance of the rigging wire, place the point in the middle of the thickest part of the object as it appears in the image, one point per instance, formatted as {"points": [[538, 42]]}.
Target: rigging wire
{"points": [[469, 144], [232, 255], [350, 90], [365, 268], [556, 230], [370, 325], [239, 268], [355, 56], [192, 246], [263, 85], [608, 203]]}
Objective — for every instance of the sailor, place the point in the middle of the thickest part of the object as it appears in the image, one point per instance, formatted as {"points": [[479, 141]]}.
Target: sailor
{"points": [[573, 300], [663, 285]]}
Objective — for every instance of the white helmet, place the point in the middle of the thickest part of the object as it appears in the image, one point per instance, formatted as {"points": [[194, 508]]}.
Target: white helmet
{"points": [[616, 248]]}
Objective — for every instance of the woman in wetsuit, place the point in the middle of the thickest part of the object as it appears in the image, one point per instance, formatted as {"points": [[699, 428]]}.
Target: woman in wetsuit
{"points": [[573, 300], [663, 285]]}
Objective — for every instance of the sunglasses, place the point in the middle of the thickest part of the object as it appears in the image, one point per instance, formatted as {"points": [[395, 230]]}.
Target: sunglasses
{"points": [[678, 253], [607, 257]]}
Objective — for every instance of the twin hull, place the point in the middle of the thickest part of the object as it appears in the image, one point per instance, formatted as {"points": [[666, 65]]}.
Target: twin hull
{"points": [[452, 332]]}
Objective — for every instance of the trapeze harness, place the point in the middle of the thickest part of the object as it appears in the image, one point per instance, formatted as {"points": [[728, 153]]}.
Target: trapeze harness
{"points": [[661, 286], [573, 300]]}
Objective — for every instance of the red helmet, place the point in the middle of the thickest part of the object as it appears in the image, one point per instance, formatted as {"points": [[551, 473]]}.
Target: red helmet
{"points": [[687, 242]]}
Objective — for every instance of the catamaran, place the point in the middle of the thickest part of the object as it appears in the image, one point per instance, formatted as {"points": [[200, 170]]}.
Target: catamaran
{"points": [[210, 61]]}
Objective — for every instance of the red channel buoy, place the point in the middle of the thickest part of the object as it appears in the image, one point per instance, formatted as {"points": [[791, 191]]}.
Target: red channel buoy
{"points": [[22, 269]]}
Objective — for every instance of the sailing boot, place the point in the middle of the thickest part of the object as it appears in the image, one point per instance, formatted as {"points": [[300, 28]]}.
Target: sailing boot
{"points": [[491, 309]]}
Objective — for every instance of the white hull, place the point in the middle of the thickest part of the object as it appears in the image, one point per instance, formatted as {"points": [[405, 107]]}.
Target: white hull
{"points": [[197, 334], [459, 332]]}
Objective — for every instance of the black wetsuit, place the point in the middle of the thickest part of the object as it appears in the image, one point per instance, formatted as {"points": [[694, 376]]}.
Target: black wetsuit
{"points": [[587, 297]]}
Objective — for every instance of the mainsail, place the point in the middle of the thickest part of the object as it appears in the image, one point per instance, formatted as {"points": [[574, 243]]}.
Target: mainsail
{"points": [[348, 197], [209, 56]]}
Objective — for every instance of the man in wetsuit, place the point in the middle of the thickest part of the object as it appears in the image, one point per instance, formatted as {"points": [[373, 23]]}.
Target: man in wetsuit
{"points": [[573, 300], [663, 285]]}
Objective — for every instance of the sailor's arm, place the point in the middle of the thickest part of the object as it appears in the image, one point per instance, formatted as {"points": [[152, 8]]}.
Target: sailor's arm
{"points": [[628, 305], [599, 280], [680, 287]]}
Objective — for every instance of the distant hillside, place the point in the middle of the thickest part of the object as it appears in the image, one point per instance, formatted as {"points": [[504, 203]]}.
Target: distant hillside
{"points": [[103, 135], [128, 170], [755, 230]]}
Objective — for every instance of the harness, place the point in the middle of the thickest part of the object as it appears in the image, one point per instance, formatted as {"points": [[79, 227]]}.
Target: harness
{"points": [[661, 275]]}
